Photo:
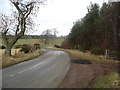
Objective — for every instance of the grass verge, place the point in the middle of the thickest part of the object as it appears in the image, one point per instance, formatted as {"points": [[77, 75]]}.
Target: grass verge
{"points": [[18, 58], [108, 81], [87, 56]]}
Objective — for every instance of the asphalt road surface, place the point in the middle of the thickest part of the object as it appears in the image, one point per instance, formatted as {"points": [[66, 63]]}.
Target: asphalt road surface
{"points": [[45, 71]]}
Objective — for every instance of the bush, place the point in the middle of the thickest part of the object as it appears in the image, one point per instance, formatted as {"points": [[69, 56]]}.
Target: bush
{"points": [[2, 47], [96, 51], [36, 46], [27, 48], [18, 46], [57, 46]]}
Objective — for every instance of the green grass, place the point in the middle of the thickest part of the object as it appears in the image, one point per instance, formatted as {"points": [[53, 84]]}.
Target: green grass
{"points": [[27, 41], [58, 41], [24, 41], [0, 41], [108, 81], [32, 41]]}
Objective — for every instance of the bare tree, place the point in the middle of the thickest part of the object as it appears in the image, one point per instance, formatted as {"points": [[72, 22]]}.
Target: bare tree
{"points": [[46, 36], [19, 22], [49, 35]]}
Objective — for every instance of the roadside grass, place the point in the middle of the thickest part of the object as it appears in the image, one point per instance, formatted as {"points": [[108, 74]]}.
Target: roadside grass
{"points": [[13, 52], [19, 57], [108, 81], [88, 56]]}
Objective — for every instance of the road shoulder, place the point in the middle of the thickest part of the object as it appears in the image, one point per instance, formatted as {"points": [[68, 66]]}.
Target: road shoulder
{"points": [[83, 73]]}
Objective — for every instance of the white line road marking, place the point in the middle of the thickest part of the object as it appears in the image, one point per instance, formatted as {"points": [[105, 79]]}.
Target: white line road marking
{"points": [[28, 68]]}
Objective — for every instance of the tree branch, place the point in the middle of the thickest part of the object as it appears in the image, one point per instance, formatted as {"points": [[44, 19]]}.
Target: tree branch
{"points": [[17, 7], [28, 11]]}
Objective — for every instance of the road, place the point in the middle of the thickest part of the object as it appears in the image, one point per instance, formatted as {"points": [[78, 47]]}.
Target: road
{"points": [[45, 71]]}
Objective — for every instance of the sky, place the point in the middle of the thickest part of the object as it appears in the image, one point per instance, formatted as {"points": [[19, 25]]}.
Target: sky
{"points": [[59, 14]]}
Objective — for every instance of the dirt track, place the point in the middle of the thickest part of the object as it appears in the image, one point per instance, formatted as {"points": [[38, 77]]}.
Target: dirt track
{"points": [[83, 73]]}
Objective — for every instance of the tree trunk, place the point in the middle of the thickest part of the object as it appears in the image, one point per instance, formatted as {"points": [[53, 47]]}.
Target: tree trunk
{"points": [[8, 50]]}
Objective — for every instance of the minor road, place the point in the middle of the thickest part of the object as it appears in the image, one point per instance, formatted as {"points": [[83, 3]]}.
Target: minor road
{"points": [[45, 71]]}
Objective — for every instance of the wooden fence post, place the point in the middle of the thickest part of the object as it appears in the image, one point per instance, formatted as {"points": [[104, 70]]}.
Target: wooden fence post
{"points": [[106, 54]]}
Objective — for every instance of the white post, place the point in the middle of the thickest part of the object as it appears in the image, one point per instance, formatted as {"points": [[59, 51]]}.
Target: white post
{"points": [[106, 54]]}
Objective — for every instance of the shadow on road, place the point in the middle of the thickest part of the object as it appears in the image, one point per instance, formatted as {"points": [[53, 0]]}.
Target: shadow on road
{"points": [[78, 61]]}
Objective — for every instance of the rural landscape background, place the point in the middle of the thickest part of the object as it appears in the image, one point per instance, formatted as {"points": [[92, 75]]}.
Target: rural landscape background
{"points": [[93, 43]]}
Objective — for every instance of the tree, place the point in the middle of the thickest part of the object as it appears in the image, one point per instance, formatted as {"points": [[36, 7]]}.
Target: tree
{"points": [[83, 31], [49, 35], [20, 22], [114, 18], [98, 30], [46, 36]]}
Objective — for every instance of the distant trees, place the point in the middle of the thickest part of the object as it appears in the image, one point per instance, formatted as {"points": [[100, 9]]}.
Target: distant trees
{"points": [[98, 30], [49, 35], [20, 21]]}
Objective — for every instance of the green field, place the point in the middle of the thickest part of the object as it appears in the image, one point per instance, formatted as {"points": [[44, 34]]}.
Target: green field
{"points": [[32, 41]]}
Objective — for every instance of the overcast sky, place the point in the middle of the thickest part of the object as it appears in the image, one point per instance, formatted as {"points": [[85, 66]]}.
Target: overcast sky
{"points": [[59, 14]]}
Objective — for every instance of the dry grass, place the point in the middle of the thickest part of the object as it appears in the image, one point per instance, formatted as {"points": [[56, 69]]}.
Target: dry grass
{"points": [[19, 57], [14, 51], [88, 56]]}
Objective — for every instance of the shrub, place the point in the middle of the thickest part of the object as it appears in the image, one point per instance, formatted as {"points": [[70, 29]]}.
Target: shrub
{"points": [[27, 48], [36, 46], [57, 46], [2, 47], [66, 44], [18, 46], [97, 51]]}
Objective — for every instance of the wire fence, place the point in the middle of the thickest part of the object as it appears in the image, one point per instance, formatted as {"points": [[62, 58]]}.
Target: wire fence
{"points": [[109, 54]]}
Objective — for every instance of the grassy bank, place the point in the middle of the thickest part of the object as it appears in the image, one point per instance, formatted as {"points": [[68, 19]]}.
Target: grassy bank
{"points": [[19, 57], [105, 81], [108, 81], [88, 56], [89, 75], [13, 51]]}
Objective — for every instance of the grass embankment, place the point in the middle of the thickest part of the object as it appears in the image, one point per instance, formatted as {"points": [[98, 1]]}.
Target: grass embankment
{"points": [[19, 57], [89, 56], [108, 81]]}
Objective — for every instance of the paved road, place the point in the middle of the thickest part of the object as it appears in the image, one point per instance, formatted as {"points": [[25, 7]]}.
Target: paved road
{"points": [[46, 71]]}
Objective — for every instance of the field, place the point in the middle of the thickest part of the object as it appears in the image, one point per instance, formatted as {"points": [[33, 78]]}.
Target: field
{"points": [[32, 41]]}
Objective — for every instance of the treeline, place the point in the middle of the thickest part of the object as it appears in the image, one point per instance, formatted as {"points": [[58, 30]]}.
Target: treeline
{"points": [[34, 36], [98, 30]]}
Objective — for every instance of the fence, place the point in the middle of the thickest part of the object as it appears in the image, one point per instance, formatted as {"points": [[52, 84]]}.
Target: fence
{"points": [[109, 54]]}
